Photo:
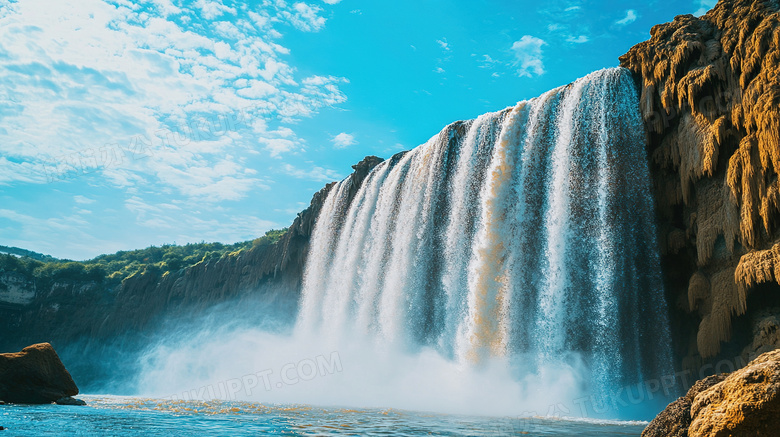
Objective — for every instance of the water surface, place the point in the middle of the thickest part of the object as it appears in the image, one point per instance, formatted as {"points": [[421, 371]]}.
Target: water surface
{"points": [[116, 416]]}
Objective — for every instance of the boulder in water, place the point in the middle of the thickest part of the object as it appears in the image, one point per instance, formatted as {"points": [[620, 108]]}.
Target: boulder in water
{"points": [[675, 420], [747, 402], [70, 401], [743, 403], [34, 376]]}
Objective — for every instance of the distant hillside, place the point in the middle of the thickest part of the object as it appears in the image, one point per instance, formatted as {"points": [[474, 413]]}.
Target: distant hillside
{"points": [[114, 268], [28, 253]]}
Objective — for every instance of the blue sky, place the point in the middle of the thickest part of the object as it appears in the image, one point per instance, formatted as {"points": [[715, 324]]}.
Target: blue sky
{"points": [[125, 124]]}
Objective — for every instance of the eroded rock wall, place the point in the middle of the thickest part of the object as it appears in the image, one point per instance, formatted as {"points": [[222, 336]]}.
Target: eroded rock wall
{"points": [[710, 97]]}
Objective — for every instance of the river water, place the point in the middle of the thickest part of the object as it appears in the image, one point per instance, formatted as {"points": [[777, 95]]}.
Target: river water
{"points": [[118, 416]]}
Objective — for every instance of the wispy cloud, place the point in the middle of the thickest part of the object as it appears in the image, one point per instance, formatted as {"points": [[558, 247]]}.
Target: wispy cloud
{"points": [[305, 17], [578, 40], [35, 232], [630, 17], [443, 44], [528, 55], [487, 62], [83, 200], [315, 173], [129, 72], [343, 140], [705, 6], [211, 9]]}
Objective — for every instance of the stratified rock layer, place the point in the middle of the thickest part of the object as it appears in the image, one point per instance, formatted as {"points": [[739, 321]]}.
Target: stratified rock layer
{"points": [[34, 376]]}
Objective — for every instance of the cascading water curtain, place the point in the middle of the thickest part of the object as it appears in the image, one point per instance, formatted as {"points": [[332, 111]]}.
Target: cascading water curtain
{"points": [[527, 234]]}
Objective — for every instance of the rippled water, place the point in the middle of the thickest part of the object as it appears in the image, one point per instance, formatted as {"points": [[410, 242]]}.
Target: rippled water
{"points": [[107, 416]]}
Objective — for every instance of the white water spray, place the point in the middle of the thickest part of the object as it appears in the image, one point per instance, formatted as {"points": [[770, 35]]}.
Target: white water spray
{"points": [[508, 264]]}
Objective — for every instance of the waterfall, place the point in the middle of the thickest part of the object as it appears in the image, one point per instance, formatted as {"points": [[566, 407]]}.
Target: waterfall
{"points": [[527, 235]]}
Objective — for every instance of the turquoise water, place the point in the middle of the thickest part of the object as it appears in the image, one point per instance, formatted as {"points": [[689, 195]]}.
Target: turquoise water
{"points": [[118, 416]]}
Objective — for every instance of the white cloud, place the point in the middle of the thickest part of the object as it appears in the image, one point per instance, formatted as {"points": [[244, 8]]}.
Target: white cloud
{"points": [[343, 140], [578, 40], [137, 206], [192, 226], [705, 6], [630, 17], [331, 2], [212, 9], [83, 200], [528, 54], [317, 174], [239, 227], [305, 17], [114, 74], [443, 44], [277, 146], [167, 7], [439, 70], [228, 30], [487, 62], [11, 171], [256, 89], [34, 233]]}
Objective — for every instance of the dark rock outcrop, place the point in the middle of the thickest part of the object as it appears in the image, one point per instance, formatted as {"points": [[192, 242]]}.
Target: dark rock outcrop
{"points": [[34, 376], [70, 401], [743, 403]]}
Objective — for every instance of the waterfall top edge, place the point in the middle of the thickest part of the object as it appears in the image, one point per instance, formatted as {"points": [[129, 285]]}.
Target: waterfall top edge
{"points": [[619, 73]]}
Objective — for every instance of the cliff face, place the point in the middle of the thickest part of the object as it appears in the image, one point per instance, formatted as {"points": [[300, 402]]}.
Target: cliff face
{"points": [[16, 289], [86, 315], [710, 97]]}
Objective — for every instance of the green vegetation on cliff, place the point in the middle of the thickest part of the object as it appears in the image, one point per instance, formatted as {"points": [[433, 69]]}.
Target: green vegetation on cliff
{"points": [[114, 268]]}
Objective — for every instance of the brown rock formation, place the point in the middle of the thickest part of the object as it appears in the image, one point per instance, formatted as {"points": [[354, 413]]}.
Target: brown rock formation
{"points": [[676, 418], [34, 376], [743, 403], [710, 96], [746, 403]]}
